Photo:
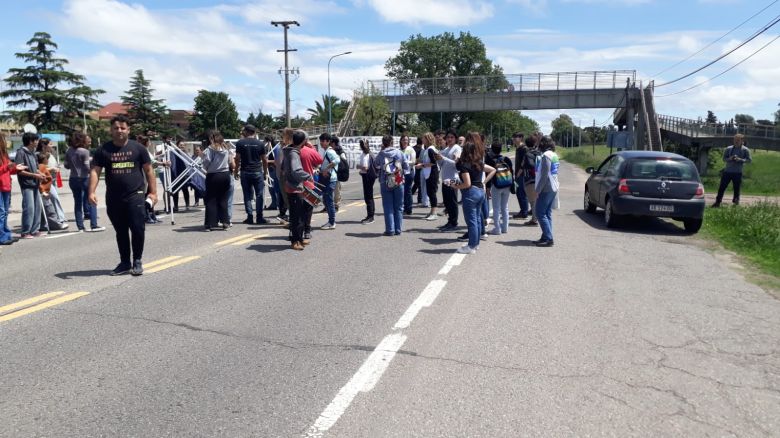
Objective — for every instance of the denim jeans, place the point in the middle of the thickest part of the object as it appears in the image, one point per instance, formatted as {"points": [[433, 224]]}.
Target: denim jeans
{"points": [[5, 208], [408, 182], [31, 210], [473, 198], [544, 205], [253, 187], [55, 200], [393, 206], [327, 199], [500, 209], [522, 197], [424, 192], [79, 187], [230, 200]]}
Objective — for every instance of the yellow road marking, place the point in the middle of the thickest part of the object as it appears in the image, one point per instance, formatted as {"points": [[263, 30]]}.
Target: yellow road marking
{"points": [[29, 301], [355, 204], [161, 261], [42, 306], [232, 239], [249, 240], [342, 210], [177, 262]]}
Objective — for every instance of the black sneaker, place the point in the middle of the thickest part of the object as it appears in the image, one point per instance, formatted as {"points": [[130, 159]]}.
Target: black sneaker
{"points": [[121, 269], [306, 236], [261, 221], [248, 221], [463, 238], [138, 268], [544, 243]]}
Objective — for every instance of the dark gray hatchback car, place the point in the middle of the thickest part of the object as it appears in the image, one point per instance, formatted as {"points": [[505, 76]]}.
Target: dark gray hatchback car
{"points": [[646, 183]]}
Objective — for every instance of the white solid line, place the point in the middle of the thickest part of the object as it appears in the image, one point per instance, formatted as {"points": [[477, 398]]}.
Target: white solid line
{"points": [[57, 236], [453, 261], [426, 298], [363, 381]]}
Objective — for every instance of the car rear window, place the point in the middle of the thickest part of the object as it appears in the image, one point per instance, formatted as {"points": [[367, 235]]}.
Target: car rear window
{"points": [[658, 168]]}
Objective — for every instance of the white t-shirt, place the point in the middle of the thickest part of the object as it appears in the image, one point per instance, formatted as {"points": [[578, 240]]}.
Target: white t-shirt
{"points": [[365, 161]]}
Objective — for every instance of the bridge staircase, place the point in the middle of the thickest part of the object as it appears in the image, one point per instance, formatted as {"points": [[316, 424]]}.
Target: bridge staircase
{"points": [[346, 125], [649, 120]]}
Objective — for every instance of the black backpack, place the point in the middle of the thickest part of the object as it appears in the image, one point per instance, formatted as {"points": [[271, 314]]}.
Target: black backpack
{"points": [[342, 170]]}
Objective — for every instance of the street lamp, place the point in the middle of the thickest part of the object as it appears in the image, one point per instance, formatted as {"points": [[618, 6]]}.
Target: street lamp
{"points": [[330, 98], [215, 116]]}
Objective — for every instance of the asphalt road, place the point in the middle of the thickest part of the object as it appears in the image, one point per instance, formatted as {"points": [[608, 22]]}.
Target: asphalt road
{"points": [[633, 332]]}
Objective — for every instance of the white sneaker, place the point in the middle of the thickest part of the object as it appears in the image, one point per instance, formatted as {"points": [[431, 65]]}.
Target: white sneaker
{"points": [[495, 231], [489, 220], [97, 229], [465, 249], [328, 227], [431, 217]]}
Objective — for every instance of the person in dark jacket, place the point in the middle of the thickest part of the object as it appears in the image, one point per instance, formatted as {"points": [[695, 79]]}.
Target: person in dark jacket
{"points": [[294, 178]]}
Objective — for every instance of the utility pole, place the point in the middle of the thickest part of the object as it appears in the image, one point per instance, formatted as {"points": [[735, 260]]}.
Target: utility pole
{"points": [[286, 50], [593, 138]]}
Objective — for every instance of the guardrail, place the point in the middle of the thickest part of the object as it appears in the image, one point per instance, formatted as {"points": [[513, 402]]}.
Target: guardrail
{"points": [[696, 128], [529, 82]]}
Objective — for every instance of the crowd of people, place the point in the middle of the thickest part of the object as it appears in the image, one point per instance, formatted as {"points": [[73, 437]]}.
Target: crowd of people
{"points": [[299, 176]]}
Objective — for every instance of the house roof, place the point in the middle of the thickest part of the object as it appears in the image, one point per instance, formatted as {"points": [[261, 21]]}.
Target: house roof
{"points": [[112, 109]]}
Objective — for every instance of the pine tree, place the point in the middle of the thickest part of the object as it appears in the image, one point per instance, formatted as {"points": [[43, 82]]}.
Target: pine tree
{"points": [[148, 116], [37, 90]]}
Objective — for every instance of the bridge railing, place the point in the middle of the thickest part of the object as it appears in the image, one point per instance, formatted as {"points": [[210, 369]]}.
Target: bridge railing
{"points": [[529, 82], [697, 128]]}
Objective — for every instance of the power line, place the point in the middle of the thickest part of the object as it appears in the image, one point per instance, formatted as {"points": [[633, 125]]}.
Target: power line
{"points": [[754, 36], [719, 38], [724, 71]]}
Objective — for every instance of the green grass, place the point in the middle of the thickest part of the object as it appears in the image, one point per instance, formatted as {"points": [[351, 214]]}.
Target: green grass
{"points": [[761, 177], [583, 156], [752, 231]]}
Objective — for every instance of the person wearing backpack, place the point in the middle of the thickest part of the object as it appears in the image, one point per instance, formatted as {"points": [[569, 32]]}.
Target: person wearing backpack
{"points": [[368, 175], [391, 164], [528, 169], [342, 169], [500, 188], [329, 181]]}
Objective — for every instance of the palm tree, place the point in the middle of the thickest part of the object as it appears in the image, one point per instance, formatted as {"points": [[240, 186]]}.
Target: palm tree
{"points": [[319, 114]]}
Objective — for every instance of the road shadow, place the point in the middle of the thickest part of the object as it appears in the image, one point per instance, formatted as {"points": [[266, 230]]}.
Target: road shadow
{"points": [[350, 223], [268, 248], [652, 226], [191, 229], [82, 274], [364, 235], [437, 251], [440, 241], [517, 243]]}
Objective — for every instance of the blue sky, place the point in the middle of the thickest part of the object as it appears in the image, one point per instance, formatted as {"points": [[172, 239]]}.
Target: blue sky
{"points": [[230, 46]]}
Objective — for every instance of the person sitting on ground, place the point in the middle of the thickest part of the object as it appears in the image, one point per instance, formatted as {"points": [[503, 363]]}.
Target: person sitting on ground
{"points": [[49, 217]]}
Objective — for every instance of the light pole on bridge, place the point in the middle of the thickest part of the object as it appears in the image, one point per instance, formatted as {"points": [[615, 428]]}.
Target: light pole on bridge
{"points": [[330, 98]]}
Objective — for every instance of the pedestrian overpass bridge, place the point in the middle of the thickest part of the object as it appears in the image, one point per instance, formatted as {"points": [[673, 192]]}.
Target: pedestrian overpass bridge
{"points": [[634, 104]]}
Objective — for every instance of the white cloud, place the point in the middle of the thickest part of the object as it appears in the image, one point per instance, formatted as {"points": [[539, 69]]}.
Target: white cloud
{"points": [[440, 12]]}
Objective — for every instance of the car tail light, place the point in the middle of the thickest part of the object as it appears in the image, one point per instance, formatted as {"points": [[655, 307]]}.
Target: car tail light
{"points": [[699, 192], [623, 187]]}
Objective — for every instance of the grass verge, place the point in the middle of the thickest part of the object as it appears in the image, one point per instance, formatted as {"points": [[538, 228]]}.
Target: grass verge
{"points": [[584, 156], [752, 231]]}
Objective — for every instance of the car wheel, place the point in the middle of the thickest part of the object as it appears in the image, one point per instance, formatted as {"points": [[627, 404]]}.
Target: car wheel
{"points": [[610, 218], [692, 225], [589, 206]]}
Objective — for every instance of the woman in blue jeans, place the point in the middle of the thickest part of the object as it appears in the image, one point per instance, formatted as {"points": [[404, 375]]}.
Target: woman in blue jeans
{"points": [[470, 167], [77, 161], [391, 164], [547, 189]]}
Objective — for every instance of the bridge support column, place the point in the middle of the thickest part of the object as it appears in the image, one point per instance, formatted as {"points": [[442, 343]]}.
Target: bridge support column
{"points": [[630, 115], [702, 158]]}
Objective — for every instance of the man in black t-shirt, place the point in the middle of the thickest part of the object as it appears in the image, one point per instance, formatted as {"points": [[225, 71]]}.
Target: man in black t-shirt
{"points": [[252, 161], [128, 174]]}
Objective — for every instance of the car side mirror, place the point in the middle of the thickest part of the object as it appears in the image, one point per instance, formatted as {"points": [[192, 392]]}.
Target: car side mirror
{"points": [[590, 170]]}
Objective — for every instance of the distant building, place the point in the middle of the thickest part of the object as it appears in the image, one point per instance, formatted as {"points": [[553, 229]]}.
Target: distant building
{"points": [[180, 119]]}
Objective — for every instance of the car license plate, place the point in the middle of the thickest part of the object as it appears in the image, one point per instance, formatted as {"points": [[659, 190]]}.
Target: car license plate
{"points": [[662, 208]]}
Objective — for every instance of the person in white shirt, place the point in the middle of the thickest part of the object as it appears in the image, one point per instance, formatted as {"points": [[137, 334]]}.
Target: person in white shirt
{"points": [[430, 173], [411, 158], [368, 175]]}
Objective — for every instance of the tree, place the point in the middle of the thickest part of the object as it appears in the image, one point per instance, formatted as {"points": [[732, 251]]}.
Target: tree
{"points": [[372, 113], [744, 118], [500, 125], [777, 117], [444, 56], [319, 114], [711, 119], [211, 104], [564, 132], [148, 116], [38, 89]]}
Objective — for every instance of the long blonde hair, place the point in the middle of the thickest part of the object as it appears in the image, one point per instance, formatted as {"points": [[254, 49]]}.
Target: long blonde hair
{"points": [[429, 139]]}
